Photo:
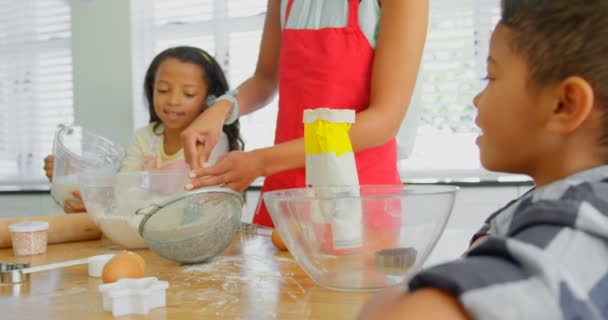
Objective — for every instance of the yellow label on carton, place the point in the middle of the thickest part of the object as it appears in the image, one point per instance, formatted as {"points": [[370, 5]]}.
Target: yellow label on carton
{"points": [[322, 136]]}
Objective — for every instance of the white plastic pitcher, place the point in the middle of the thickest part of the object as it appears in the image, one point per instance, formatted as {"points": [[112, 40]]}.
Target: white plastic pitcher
{"points": [[76, 149]]}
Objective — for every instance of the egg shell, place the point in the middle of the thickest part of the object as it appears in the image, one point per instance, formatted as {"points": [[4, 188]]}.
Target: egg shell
{"points": [[136, 257], [277, 241], [123, 265]]}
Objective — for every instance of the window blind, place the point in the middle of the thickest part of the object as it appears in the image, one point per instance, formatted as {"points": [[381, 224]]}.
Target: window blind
{"points": [[35, 86]]}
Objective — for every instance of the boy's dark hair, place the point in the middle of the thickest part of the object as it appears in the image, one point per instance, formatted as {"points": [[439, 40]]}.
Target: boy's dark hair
{"points": [[562, 38], [213, 76]]}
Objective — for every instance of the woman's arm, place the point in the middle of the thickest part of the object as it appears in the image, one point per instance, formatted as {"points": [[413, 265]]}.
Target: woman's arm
{"points": [[254, 93], [401, 38]]}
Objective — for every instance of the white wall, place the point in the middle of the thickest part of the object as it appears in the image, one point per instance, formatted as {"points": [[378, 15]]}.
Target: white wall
{"points": [[101, 56], [27, 204]]}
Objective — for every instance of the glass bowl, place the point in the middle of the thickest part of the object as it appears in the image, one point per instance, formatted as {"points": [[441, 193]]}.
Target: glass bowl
{"points": [[361, 238], [112, 199]]}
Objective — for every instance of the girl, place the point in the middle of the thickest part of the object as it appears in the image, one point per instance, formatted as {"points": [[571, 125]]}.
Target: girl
{"points": [[180, 83]]}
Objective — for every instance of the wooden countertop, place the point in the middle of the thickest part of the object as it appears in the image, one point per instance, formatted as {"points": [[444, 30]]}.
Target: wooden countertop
{"points": [[250, 280]]}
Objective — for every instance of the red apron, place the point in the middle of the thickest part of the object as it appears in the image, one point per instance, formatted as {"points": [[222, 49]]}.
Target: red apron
{"points": [[326, 68]]}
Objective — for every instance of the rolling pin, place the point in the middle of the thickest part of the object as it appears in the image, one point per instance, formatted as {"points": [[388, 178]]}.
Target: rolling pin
{"points": [[62, 228]]}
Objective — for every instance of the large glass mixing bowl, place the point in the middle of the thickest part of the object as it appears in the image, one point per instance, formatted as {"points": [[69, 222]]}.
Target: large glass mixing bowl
{"points": [[361, 238]]}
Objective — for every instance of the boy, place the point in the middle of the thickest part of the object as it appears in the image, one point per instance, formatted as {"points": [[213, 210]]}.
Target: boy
{"points": [[543, 113]]}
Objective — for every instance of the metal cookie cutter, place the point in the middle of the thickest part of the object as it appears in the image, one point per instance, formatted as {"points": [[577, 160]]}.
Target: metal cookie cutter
{"points": [[12, 273], [395, 261]]}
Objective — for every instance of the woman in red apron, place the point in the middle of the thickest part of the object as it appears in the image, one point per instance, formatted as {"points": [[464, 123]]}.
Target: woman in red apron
{"points": [[334, 67]]}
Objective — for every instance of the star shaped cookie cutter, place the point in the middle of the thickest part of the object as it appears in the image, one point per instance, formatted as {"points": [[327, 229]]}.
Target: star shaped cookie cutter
{"points": [[134, 296]]}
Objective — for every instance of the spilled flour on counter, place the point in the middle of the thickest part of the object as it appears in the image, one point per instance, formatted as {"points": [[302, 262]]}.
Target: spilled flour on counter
{"points": [[233, 271], [63, 292], [215, 265], [225, 282]]}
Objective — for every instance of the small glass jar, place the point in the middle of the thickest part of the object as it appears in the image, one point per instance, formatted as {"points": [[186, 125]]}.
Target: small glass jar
{"points": [[29, 238]]}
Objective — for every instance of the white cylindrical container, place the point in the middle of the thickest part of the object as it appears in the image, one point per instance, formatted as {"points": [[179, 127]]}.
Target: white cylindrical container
{"points": [[29, 238], [331, 170]]}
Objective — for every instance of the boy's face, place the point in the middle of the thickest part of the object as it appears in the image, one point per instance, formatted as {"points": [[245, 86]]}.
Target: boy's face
{"points": [[179, 93], [509, 114]]}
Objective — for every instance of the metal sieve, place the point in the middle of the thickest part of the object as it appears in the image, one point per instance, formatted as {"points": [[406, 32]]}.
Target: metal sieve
{"points": [[192, 227]]}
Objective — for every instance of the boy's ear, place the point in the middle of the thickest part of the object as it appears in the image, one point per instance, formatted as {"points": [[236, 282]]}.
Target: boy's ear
{"points": [[575, 100]]}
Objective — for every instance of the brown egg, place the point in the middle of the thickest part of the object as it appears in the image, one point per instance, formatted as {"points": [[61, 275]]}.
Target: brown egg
{"points": [[277, 241], [136, 257], [123, 265]]}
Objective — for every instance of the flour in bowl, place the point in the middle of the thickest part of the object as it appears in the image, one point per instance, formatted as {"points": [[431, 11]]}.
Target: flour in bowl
{"points": [[122, 229]]}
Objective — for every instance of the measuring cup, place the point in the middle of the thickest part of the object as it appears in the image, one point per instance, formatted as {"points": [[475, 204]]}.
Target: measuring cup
{"points": [[13, 273], [76, 149]]}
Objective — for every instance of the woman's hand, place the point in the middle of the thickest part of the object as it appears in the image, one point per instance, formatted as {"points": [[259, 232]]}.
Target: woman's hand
{"points": [[49, 164], [72, 206], [205, 131], [235, 171]]}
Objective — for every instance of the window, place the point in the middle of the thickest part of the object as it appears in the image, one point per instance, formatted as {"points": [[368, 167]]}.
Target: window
{"points": [[454, 62], [452, 69], [35, 86]]}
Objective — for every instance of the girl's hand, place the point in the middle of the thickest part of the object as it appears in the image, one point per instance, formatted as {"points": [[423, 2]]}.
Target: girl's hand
{"points": [[235, 171], [49, 164], [204, 131], [71, 206]]}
